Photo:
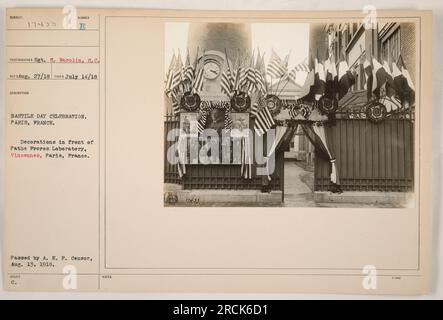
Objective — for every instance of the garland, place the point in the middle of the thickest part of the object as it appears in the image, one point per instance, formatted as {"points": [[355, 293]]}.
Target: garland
{"points": [[207, 106]]}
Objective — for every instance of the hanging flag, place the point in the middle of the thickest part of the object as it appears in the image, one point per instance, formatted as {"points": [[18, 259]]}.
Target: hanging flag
{"points": [[331, 79], [389, 87], [403, 85], [318, 89], [345, 78], [380, 77], [406, 74], [263, 121], [306, 87], [371, 78]]}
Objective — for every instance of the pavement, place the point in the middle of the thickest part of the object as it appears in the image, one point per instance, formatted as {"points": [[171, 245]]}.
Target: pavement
{"points": [[299, 186], [298, 191]]}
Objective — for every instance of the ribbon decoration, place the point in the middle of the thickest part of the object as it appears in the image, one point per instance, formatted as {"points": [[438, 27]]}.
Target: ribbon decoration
{"points": [[182, 153], [246, 158], [279, 133], [319, 130]]}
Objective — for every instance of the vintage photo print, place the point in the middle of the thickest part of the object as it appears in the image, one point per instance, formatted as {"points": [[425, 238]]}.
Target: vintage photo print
{"points": [[240, 124], [188, 124], [325, 112]]}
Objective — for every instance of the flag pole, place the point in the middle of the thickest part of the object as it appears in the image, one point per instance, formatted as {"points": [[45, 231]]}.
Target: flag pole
{"points": [[281, 77], [229, 69]]}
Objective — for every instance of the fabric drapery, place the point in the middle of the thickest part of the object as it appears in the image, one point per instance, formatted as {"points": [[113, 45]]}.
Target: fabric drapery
{"points": [[246, 158], [182, 150], [317, 136], [282, 135]]}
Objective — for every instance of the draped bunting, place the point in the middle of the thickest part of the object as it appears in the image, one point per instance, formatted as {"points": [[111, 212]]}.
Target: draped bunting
{"points": [[317, 135], [283, 134], [246, 158], [182, 154]]}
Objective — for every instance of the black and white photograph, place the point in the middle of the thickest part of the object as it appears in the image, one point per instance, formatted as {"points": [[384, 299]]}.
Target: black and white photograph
{"points": [[328, 109]]}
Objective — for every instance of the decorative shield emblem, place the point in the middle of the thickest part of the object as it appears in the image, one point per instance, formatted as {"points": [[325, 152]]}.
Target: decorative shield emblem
{"points": [[190, 102], [376, 112], [240, 102], [327, 106], [274, 104]]}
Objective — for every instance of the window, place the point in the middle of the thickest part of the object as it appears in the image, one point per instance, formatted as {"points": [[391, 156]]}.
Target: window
{"points": [[391, 45]]}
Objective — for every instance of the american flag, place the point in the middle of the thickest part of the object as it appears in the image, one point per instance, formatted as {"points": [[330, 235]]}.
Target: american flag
{"points": [[175, 107], [263, 121], [188, 70], [240, 78], [227, 82], [198, 81], [276, 67], [254, 109], [177, 74], [169, 75]]}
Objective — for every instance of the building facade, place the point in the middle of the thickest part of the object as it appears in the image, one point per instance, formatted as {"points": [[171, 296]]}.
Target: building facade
{"points": [[370, 156]]}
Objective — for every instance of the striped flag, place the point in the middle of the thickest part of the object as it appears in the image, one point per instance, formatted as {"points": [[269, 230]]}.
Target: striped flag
{"points": [[175, 107], [254, 109], [301, 67], [169, 75], [251, 76], [177, 75], [228, 120], [276, 67], [227, 82], [198, 81], [263, 121], [241, 77], [201, 123], [188, 70], [260, 74]]}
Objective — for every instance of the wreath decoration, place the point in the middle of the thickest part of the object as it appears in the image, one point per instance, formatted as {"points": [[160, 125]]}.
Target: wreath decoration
{"points": [[298, 110], [273, 103], [240, 101], [327, 106], [376, 112], [190, 101], [207, 106]]}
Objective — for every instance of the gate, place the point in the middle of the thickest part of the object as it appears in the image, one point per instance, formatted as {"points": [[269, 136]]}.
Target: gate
{"points": [[217, 176], [370, 156]]}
